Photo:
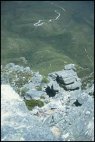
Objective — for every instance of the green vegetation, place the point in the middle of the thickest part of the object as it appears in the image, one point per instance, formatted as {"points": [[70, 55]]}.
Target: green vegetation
{"points": [[49, 47], [39, 88], [18, 90], [23, 78], [23, 91], [42, 97], [32, 103], [45, 80], [17, 77]]}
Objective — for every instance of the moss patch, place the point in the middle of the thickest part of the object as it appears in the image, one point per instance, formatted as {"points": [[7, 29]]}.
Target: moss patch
{"points": [[32, 103], [39, 88], [45, 80], [23, 91]]}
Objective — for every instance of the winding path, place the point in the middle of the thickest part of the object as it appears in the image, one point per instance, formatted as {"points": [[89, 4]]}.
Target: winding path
{"points": [[40, 23]]}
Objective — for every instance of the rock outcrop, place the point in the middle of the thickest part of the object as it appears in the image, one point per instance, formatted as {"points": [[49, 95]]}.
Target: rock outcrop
{"points": [[67, 113], [67, 78], [17, 124]]}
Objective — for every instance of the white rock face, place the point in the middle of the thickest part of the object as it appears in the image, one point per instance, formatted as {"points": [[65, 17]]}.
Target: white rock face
{"points": [[66, 116], [17, 124], [11, 94]]}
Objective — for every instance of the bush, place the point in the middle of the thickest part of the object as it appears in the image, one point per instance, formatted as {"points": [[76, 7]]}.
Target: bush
{"points": [[16, 76], [32, 103], [42, 97], [23, 91], [39, 88], [45, 80]]}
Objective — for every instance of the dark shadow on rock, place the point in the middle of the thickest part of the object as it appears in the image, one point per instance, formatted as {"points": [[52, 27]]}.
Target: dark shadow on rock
{"points": [[76, 103], [62, 84], [65, 88], [61, 81], [50, 91]]}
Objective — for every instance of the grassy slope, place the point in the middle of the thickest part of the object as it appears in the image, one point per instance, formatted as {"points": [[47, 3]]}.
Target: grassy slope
{"points": [[51, 46]]}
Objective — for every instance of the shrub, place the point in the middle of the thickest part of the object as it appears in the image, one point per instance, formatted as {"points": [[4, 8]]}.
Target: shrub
{"points": [[32, 103], [39, 88], [42, 97], [16, 76], [45, 80], [23, 91]]}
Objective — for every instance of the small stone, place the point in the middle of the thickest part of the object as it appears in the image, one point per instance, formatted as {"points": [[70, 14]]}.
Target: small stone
{"points": [[35, 111], [56, 131], [65, 136], [69, 67], [50, 111], [87, 112]]}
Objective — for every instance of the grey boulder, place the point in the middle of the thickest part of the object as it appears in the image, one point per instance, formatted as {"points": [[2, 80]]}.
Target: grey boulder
{"points": [[34, 94]]}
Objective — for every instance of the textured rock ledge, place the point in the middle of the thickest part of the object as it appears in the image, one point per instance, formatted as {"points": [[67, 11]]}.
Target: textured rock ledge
{"points": [[17, 123], [67, 114]]}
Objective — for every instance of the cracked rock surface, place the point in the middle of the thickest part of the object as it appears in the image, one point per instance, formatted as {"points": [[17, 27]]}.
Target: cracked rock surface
{"points": [[67, 114]]}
